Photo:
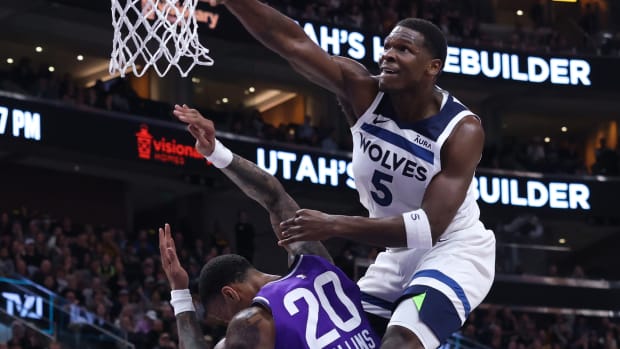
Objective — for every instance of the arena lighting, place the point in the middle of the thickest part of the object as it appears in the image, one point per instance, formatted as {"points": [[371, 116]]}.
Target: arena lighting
{"points": [[196, 80], [251, 89], [10, 60], [562, 241], [80, 58], [224, 100], [564, 129], [38, 49], [51, 69], [519, 12], [547, 139]]}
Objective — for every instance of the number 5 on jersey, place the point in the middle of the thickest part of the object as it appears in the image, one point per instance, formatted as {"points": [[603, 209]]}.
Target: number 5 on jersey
{"points": [[382, 195]]}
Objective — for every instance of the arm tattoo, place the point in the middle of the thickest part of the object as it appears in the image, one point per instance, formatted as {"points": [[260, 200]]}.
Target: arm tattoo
{"points": [[244, 331], [190, 334], [269, 193], [261, 187]]}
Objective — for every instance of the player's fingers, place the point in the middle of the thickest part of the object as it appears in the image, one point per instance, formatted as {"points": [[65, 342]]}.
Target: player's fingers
{"points": [[162, 243], [172, 256], [290, 222], [287, 223], [167, 232], [202, 137], [195, 131], [181, 116], [292, 230], [171, 243], [288, 241]]}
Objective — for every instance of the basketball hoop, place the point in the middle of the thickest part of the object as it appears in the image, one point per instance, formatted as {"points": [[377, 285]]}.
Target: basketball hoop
{"points": [[158, 33]]}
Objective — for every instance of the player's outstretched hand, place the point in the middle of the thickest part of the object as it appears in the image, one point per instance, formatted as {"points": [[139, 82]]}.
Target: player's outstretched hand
{"points": [[200, 127], [308, 225], [177, 276]]}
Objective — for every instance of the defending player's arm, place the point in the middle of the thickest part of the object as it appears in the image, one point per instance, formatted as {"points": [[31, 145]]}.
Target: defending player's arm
{"points": [[281, 34], [252, 180], [251, 328], [421, 228], [190, 334]]}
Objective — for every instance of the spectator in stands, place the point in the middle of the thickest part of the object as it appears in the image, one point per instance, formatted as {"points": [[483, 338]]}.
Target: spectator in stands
{"points": [[165, 342], [22, 76], [606, 160], [143, 246], [329, 141], [305, 131], [590, 20], [7, 266], [538, 14], [244, 236], [30, 256], [5, 223]]}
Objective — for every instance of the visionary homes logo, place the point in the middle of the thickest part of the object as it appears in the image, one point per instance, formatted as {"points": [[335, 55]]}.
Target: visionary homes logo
{"points": [[164, 150]]}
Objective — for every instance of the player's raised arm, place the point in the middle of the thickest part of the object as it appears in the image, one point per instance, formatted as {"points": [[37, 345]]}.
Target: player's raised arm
{"points": [[256, 183], [190, 334], [281, 34]]}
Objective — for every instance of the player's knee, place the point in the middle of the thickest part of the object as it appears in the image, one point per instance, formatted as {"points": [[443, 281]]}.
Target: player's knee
{"points": [[397, 337]]}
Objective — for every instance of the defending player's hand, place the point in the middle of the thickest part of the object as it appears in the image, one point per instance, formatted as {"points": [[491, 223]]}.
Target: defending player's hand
{"points": [[200, 127], [308, 225], [177, 276]]}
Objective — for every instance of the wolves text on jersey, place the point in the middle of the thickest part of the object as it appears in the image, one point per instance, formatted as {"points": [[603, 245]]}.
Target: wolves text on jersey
{"points": [[392, 161]]}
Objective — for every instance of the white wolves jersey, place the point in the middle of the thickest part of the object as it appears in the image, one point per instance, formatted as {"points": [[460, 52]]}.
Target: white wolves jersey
{"points": [[394, 161]]}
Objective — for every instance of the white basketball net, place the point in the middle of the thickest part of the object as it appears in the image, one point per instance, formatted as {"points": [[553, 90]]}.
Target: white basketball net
{"points": [[157, 33]]}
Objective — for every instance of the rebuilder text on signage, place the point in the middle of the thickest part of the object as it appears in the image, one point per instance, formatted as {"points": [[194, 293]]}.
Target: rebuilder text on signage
{"points": [[532, 193], [464, 61]]}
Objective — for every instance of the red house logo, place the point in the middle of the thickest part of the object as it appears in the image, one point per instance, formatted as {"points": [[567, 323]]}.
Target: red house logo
{"points": [[145, 141]]}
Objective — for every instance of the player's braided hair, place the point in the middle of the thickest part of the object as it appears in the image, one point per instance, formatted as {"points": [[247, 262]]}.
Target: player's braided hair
{"points": [[434, 40], [219, 272]]}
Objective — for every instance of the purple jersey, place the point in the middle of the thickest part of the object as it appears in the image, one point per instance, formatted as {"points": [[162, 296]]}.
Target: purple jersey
{"points": [[317, 306]]}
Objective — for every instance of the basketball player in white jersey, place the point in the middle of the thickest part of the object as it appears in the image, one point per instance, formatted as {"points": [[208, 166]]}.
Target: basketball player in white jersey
{"points": [[415, 152]]}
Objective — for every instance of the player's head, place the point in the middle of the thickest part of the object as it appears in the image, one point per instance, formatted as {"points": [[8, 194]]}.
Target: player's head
{"points": [[414, 51], [227, 284]]}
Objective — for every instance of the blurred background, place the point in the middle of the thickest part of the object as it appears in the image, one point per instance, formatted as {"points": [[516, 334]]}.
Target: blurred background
{"points": [[91, 164]]}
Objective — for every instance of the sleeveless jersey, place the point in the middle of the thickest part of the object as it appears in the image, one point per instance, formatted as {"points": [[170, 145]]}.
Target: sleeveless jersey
{"points": [[394, 161], [316, 306]]}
